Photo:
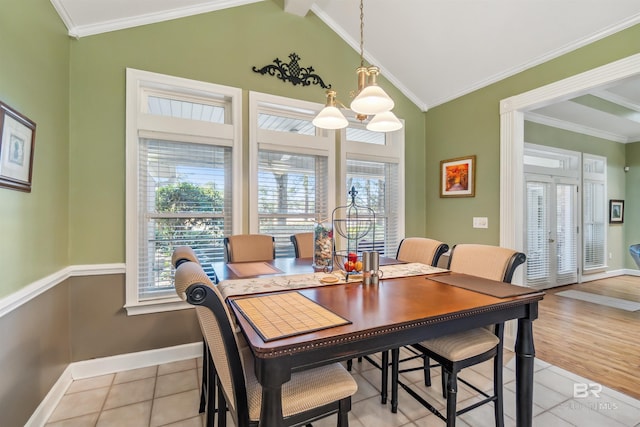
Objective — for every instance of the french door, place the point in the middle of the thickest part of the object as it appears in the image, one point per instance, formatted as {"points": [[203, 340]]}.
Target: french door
{"points": [[552, 232]]}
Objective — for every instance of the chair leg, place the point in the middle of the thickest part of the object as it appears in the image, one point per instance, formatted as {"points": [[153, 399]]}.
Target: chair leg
{"points": [[385, 377], [344, 406], [222, 407], [427, 372], [212, 382], [349, 364], [452, 396], [205, 372], [443, 376]]}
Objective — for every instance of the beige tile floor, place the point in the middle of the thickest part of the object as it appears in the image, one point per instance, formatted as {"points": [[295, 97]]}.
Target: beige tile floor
{"points": [[168, 395]]}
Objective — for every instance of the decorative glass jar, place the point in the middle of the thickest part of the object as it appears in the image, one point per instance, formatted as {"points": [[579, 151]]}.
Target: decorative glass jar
{"points": [[323, 246]]}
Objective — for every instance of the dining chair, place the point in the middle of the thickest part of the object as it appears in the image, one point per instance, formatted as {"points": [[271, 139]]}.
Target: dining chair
{"points": [[249, 247], [180, 255], [303, 244], [421, 249], [455, 352], [411, 249], [309, 395]]}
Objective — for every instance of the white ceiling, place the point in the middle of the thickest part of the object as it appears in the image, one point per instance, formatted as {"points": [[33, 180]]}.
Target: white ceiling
{"points": [[432, 50]]}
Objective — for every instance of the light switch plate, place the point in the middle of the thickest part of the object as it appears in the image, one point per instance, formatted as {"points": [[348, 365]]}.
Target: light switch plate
{"points": [[480, 222]]}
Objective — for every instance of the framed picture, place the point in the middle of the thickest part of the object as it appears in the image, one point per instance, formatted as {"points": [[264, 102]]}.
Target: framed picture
{"points": [[616, 211], [458, 177], [17, 140]]}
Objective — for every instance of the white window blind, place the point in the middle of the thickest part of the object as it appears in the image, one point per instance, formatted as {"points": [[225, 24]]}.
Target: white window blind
{"points": [[594, 224], [594, 211], [292, 195], [184, 199], [377, 184], [566, 234], [538, 257]]}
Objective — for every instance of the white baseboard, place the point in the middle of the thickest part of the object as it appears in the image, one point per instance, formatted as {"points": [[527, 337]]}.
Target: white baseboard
{"points": [[603, 275], [108, 365]]}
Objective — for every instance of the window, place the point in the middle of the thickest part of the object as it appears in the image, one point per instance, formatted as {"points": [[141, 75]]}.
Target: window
{"points": [[373, 164], [182, 161], [292, 168], [594, 211]]}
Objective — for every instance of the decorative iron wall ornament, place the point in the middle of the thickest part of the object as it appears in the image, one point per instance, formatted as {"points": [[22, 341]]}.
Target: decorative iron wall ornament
{"points": [[292, 72]]}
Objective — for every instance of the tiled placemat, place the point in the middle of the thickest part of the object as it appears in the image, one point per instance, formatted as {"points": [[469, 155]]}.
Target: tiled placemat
{"points": [[282, 315], [483, 286], [249, 269]]}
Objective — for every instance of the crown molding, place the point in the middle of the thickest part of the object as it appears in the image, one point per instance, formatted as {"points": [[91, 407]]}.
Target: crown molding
{"points": [[78, 31], [627, 23], [574, 127]]}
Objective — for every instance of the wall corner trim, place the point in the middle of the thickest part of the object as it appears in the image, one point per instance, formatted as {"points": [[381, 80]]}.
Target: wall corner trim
{"points": [[29, 292]]}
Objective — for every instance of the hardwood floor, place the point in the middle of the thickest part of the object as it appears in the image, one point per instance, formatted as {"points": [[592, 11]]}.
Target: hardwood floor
{"points": [[593, 340]]}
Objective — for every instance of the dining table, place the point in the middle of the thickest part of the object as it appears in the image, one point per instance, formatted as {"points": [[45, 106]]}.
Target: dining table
{"points": [[412, 302]]}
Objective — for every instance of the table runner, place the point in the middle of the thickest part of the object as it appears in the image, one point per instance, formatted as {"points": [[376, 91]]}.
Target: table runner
{"points": [[248, 269], [483, 286], [281, 315], [300, 281]]}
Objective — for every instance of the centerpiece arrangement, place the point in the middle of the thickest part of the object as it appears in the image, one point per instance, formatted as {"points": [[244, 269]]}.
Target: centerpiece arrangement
{"points": [[351, 223]]}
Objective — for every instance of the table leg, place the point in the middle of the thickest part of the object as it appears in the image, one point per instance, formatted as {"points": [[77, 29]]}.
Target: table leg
{"points": [[525, 355], [271, 410], [271, 376], [395, 362]]}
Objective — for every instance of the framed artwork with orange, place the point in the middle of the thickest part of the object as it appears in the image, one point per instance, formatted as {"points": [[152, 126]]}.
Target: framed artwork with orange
{"points": [[458, 177]]}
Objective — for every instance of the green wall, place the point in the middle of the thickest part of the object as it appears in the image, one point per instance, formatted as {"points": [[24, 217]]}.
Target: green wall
{"points": [[632, 202], [75, 92], [616, 178], [34, 80], [219, 47], [471, 125]]}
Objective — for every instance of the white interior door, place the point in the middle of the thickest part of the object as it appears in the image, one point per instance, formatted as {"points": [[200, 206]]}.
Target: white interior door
{"points": [[551, 235]]}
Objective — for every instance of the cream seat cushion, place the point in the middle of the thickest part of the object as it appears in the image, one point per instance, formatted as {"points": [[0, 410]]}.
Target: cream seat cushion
{"points": [[462, 345], [306, 390]]}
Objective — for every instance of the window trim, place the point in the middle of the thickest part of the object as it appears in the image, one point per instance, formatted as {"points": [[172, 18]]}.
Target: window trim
{"points": [[320, 145], [140, 124], [391, 152]]}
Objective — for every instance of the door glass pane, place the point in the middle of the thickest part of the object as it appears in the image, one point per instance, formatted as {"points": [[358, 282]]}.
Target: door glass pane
{"points": [[537, 233], [566, 234], [594, 224]]}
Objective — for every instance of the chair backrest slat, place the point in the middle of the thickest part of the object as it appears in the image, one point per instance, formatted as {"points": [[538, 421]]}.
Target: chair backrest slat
{"points": [[249, 248], [421, 249], [303, 245], [490, 262]]}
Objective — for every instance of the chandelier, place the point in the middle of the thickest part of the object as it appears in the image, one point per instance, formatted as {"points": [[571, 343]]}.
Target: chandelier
{"points": [[369, 99]]}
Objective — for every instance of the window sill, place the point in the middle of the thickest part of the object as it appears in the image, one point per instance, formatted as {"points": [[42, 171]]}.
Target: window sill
{"points": [[156, 307]]}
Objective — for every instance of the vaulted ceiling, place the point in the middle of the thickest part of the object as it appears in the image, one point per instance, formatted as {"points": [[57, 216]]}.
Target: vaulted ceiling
{"points": [[437, 50]]}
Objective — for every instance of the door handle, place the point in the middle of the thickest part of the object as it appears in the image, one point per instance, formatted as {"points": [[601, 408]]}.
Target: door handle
{"points": [[551, 240]]}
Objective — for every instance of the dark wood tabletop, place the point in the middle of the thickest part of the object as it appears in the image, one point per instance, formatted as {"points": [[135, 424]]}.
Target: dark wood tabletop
{"points": [[396, 312]]}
